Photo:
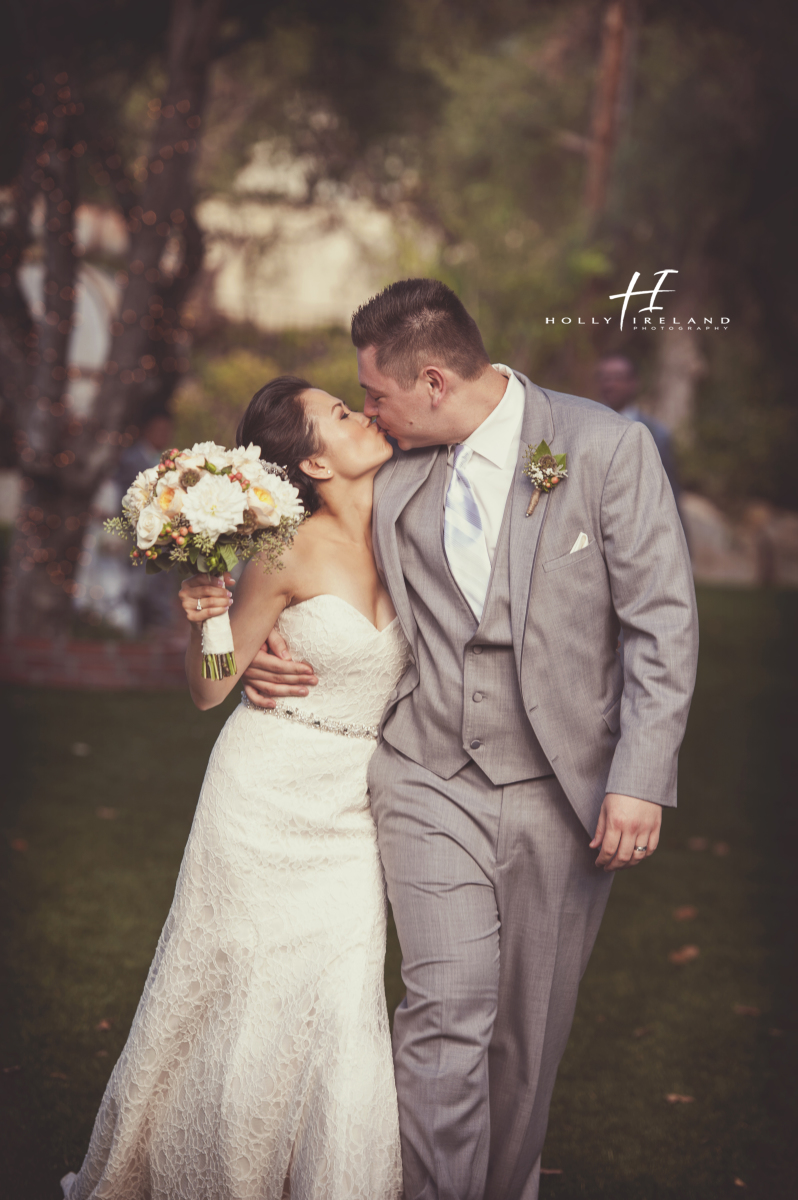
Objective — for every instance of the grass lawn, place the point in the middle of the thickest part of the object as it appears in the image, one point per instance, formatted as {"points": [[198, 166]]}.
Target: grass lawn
{"points": [[98, 795]]}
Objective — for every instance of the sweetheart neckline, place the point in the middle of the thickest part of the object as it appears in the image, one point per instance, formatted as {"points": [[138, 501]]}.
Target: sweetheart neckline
{"points": [[332, 596]]}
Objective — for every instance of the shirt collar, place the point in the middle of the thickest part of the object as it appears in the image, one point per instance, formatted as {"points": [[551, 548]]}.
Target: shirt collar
{"points": [[494, 438]]}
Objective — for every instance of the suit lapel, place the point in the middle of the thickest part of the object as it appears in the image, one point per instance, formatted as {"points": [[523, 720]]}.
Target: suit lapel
{"points": [[538, 425], [408, 474]]}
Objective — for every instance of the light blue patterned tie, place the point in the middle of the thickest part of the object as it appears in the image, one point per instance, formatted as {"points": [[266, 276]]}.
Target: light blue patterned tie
{"points": [[464, 537]]}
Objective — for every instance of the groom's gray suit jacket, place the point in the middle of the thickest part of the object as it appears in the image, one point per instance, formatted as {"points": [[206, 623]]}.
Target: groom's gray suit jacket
{"points": [[603, 718]]}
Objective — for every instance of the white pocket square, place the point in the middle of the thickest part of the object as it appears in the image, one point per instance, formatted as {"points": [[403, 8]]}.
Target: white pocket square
{"points": [[581, 542]]}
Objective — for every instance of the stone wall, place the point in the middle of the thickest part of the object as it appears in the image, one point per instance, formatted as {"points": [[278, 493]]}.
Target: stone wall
{"points": [[102, 664]]}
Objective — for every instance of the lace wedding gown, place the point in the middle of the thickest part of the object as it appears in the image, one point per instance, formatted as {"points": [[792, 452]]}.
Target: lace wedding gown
{"points": [[259, 1062]]}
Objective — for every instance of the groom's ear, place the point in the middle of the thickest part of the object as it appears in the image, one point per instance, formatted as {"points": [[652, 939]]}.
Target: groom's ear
{"points": [[434, 380]]}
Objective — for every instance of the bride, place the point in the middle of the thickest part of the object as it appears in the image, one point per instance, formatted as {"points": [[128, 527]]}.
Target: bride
{"points": [[259, 1060]]}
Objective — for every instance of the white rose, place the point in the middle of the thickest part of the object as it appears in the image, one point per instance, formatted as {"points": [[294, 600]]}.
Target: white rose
{"points": [[244, 455], [169, 496], [254, 472], [186, 461], [150, 523], [138, 494], [215, 505], [212, 452], [263, 505], [284, 496]]}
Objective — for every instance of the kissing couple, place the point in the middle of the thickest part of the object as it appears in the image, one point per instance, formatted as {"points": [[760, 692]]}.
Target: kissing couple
{"points": [[480, 707]]}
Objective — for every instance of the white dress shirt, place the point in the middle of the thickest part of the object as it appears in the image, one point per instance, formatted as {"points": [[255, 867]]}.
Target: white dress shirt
{"points": [[495, 445]]}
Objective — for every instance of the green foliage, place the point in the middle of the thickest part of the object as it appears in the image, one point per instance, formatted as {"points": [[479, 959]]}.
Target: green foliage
{"points": [[225, 376], [475, 118], [701, 181], [211, 401]]}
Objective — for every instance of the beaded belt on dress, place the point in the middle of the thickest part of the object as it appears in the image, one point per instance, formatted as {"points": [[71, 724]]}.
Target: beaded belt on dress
{"points": [[328, 724]]}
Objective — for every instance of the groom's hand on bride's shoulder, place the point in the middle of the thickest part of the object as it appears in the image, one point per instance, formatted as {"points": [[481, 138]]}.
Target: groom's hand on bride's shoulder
{"points": [[273, 673], [627, 831]]}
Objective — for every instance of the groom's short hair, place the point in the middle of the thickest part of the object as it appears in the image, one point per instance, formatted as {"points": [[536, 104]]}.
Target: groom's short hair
{"points": [[415, 321]]}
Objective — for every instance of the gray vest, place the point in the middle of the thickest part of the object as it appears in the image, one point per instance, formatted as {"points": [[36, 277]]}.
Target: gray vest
{"points": [[468, 703]]}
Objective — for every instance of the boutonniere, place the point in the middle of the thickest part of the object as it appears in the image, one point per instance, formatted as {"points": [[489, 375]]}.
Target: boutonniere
{"points": [[545, 470]]}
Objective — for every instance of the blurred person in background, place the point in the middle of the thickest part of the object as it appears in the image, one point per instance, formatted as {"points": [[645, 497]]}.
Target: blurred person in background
{"points": [[618, 388], [151, 601], [157, 434]]}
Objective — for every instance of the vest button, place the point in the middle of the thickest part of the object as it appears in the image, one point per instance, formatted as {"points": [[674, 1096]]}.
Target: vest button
{"points": [[475, 745], [477, 697], [476, 649]]}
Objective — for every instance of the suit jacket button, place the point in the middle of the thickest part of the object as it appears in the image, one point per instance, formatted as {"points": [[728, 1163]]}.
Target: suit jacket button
{"points": [[475, 745], [477, 697], [476, 649]]}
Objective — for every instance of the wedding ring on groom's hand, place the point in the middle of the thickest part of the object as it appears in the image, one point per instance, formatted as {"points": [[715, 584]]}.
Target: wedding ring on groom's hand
{"points": [[641, 849], [199, 606]]}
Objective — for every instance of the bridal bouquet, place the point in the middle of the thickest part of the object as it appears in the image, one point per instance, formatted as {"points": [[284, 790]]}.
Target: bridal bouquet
{"points": [[205, 509]]}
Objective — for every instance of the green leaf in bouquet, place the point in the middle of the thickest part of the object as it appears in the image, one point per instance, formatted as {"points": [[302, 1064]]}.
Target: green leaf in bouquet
{"points": [[540, 451], [202, 563], [560, 460], [211, 468], [228, 554], [155, 565]]}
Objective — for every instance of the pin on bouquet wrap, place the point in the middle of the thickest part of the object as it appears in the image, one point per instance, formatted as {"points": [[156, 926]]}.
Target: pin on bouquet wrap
{"points": [[207, 509], [545, 470]]}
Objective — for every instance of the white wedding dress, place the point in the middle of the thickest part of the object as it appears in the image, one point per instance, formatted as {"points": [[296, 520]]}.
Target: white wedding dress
{"points": [[259, 1063]]}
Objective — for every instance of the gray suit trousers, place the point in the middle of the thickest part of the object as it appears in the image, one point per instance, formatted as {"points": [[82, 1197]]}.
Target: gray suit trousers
{"points": [[497, 904]]}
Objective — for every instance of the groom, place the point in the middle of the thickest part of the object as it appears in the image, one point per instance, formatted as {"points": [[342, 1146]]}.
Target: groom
{"points": [[553, 664]]}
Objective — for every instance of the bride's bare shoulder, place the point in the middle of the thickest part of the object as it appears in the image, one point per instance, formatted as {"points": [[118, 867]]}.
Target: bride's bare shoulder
{"points": [[314, 531]]}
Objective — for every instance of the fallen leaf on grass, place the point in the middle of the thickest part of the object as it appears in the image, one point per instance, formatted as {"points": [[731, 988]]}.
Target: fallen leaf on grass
{"points": [[747, 1010], [686, 913], [697, 843], [58, 1075], [721, 849], [685, 955], [104, 1024], [107, 814], [19, 844], [677, 1098], [641, 1031], [550, 1171], [81, 749]]}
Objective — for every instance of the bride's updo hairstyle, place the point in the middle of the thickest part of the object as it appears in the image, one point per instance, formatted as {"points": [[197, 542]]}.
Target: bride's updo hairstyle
{"points": [[276, 421]]}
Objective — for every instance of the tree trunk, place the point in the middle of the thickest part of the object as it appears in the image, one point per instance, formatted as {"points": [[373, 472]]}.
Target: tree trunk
{"points": [[44, 557], [65, 458], [615, 54]]}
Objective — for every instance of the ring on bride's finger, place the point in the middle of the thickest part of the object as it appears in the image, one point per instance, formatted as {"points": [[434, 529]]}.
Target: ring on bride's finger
{"points": [[641, 849], [199, 606]]}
